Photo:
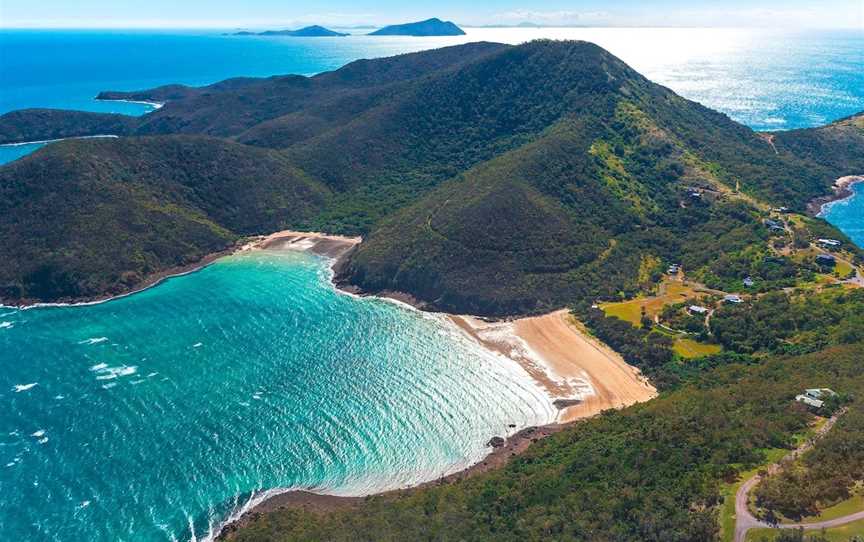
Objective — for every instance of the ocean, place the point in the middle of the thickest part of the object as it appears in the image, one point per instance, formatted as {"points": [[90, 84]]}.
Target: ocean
{"points": [[158, 415], [155, 416], [848, 214]]}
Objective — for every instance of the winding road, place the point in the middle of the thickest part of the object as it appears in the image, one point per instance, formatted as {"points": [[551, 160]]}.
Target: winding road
{"points": [[744, 520]]}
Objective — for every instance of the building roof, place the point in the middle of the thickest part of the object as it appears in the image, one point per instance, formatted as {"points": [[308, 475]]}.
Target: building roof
{"points": [[697, 308], [819, 393], [815, 403], [732, 298]]}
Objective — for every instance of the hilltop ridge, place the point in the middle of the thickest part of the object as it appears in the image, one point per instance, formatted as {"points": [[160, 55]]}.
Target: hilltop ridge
{"points": [[551, 166]]}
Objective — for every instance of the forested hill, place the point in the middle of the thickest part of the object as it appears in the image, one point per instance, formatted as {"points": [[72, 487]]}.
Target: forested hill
{"points": [[552, 168]]}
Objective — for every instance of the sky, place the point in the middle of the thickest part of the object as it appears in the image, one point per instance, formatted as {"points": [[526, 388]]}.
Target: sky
{"points": [[292, 13]]}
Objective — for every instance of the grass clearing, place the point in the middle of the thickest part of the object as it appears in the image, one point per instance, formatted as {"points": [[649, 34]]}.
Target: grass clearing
{"points": [[843, 269], [844, 533], [670, 291], [688, 348]]}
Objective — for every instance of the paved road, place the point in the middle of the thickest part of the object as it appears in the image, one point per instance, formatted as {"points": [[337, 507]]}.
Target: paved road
{"points": [[744, 520]]}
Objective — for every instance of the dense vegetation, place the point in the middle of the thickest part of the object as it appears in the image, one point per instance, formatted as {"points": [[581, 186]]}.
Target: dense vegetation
{"points": [[791, 323], [823, 476], [492, 180], [552, 169], [108, 222], [47, 124]]}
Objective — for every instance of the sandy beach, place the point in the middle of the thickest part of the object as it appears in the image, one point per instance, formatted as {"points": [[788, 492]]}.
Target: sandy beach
{"points": [[584, 376], [330, 246], [581, 374]]}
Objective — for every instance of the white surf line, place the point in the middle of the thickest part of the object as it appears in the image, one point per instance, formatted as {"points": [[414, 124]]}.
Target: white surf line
{"points": [[46, 141], [112, 298], [843, 183], [154, 105]]}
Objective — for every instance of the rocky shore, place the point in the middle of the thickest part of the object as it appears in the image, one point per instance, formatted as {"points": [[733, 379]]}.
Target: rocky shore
{"points": [[842, 190]]}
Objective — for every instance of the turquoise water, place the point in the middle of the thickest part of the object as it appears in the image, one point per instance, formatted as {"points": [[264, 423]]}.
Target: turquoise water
{"points": [[848, 214], [156, 416], [153, 417]]}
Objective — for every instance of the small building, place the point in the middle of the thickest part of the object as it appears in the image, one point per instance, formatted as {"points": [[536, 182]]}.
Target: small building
{"points": [[748, 282], [773, 225], [809, 401], [696, 309], [673, 269], [781, 209], [826, 260], [732, 298], [815, 397], [829, 242]]}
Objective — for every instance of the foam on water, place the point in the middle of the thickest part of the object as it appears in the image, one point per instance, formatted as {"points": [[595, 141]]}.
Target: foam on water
{"points": [[24, 387], [94, 340]]}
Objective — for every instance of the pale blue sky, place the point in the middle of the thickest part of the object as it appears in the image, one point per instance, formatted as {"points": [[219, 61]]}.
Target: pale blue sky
{"points": [[285, 13]]}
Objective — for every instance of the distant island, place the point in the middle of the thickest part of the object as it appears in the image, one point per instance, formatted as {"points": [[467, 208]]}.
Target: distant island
{"points": [[314, 31], [429, 27]]}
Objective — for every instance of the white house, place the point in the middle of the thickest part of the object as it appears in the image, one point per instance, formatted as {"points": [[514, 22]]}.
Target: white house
{"points": [[696, 309], [815, 397]]}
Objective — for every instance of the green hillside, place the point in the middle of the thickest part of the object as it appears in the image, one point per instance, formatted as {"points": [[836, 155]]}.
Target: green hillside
{"points": [[83, 218], [492, 180], [552, 168]]}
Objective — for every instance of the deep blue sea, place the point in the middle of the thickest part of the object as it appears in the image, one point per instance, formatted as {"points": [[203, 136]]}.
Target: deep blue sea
{"points": [[155, 416]]}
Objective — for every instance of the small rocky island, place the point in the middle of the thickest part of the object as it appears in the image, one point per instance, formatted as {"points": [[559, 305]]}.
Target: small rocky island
{"points": [[314, 31], [429, 27]]}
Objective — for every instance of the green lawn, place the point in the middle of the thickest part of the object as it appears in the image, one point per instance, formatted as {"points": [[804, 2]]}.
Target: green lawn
{"points": [[688, 348], [631, 311], [844, 533], [843, 269]]}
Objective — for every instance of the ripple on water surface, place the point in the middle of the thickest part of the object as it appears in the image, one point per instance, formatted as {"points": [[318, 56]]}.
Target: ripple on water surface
{"points": [[155, 416]]}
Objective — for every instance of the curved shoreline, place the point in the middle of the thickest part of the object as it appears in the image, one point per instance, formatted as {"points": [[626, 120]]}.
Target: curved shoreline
{"points": [[309, 500], [581, 376], [842, 191]]}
